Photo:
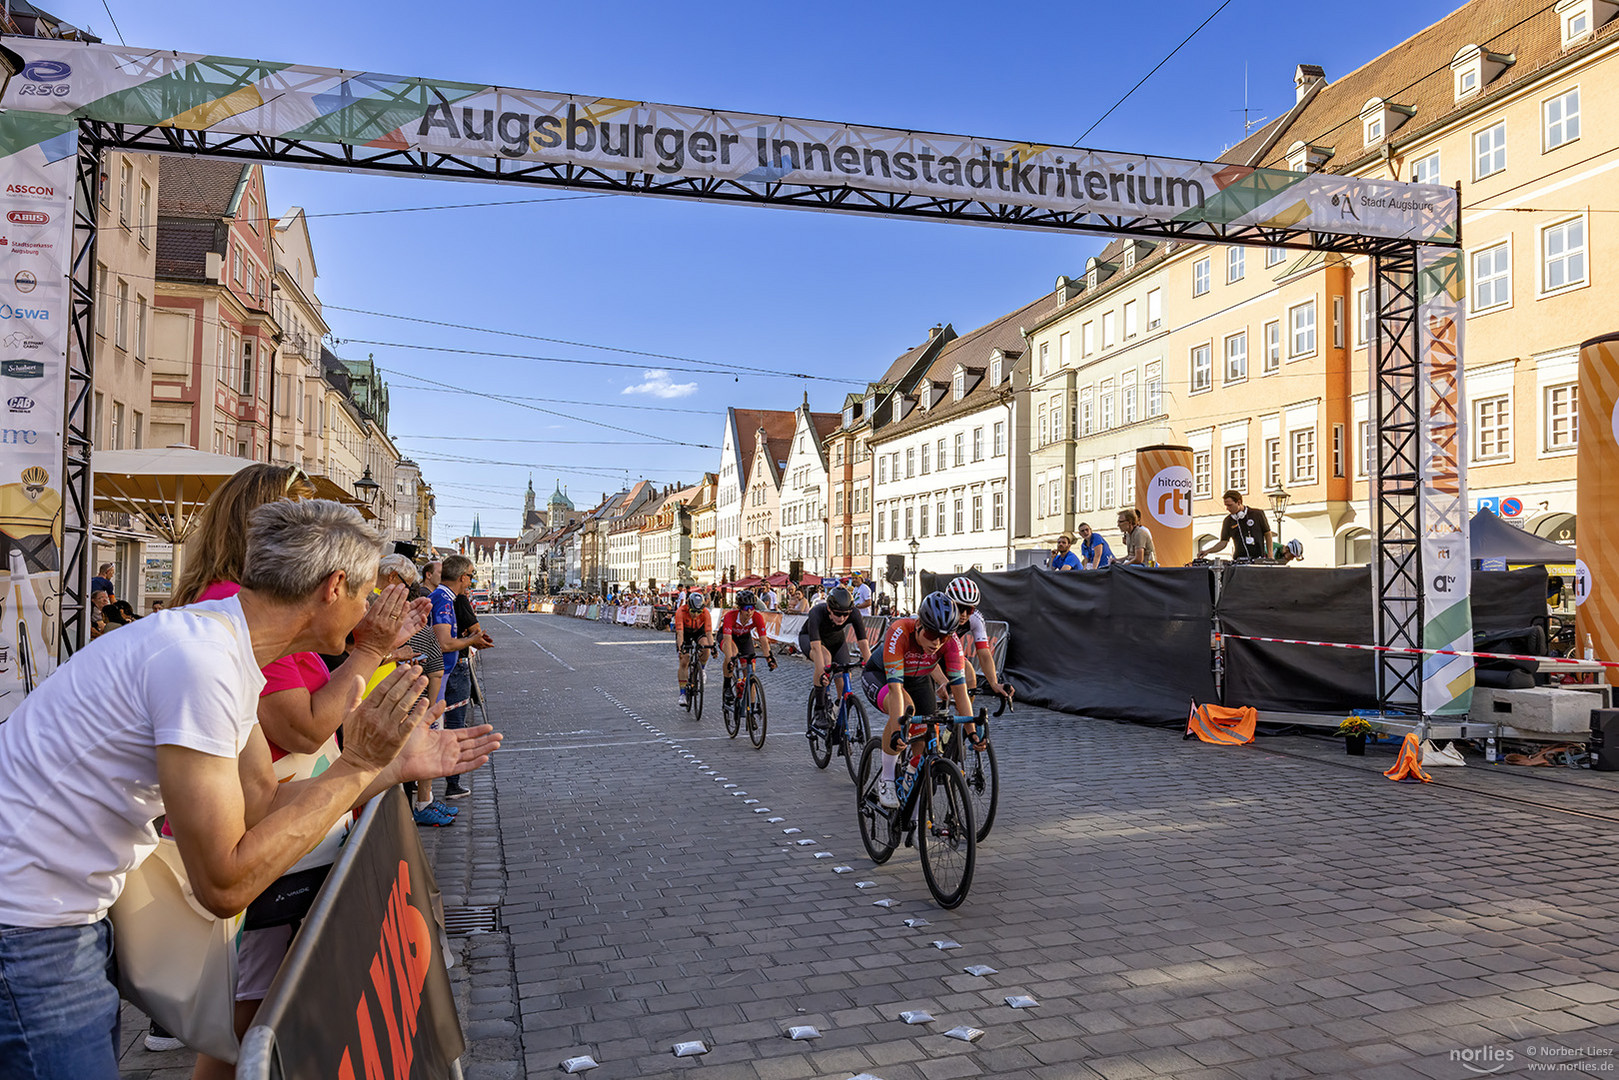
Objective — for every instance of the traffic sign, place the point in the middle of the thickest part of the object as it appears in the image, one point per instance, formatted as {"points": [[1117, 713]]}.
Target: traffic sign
{"points": [[1511, 508]]}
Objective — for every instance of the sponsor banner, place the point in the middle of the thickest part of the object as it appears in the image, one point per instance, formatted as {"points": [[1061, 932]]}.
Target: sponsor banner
{"points": [[687, 147], [1447, 680], [36, 216], [1163, 497], [1596, 571], [364, 991]]}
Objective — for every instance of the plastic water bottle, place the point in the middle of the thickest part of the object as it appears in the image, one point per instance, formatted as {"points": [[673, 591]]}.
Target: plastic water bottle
{"points": [[1590, 649], [1489, 750]]}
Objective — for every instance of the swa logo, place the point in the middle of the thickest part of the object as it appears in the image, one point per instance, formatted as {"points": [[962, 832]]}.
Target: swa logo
{"points": [[37, 314]]}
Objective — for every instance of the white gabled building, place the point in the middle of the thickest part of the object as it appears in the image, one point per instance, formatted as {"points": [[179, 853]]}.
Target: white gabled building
{"points": [[802, 511], [737, 452], [947, 453]]}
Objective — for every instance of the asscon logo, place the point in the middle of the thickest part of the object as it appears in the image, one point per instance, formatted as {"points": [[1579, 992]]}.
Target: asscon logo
{"points": [[29, 217], [1169, 496], [39, 191]]}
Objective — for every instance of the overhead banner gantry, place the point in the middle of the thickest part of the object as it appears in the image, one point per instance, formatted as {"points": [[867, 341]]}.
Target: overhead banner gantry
{"points": [[158, 101]]}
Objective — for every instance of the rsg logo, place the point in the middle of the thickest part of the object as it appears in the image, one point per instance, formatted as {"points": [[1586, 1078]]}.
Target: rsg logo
{"points": [[1169, 496], [45, 79]]}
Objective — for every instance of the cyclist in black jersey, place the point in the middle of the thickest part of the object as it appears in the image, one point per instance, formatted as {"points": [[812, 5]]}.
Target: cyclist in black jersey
{"points": [[827, 634]]}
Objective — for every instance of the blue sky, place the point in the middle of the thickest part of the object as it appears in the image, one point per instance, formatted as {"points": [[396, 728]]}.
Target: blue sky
{"points": [[786, 291]]}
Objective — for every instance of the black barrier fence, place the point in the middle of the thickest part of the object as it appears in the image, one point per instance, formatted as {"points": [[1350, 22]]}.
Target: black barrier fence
{"points": [[363, 992], [1134, 644]]}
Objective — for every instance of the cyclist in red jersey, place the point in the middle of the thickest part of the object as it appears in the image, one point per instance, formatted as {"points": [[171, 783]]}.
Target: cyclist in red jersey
{"points": [[902, 680], [737, 631], [691, 624]]}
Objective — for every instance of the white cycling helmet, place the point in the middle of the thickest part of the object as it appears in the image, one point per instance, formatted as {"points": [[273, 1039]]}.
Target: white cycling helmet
{"points": [[1295, 548], [963, 591]]}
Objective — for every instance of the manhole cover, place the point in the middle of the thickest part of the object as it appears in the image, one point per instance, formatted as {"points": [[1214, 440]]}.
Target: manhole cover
{"points": [[461, 921]]}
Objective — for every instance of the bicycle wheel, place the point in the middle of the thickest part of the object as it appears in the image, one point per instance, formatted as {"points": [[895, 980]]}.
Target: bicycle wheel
{"points": [[694, 692], [876, 826], [856, 733], [756, 712], [983, 779], [944, 830], [820, 739], [733, 715]]}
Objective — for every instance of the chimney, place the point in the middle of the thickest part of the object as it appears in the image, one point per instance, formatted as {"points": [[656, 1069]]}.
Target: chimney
{"points": [[1304, 77], [935, 330]]}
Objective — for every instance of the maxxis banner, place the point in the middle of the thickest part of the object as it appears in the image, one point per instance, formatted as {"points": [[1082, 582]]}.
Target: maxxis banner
{"points": [[37, 175], [1447, 681]]}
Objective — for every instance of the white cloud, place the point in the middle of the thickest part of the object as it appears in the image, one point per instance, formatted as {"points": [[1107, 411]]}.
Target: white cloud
{"points": [[658, 385]]}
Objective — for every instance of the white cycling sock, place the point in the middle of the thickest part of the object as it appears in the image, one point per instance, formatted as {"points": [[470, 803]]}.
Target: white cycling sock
{"points": [[889, 761]]}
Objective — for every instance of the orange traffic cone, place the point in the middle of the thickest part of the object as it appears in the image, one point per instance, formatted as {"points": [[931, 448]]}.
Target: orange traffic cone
{"points": [[1408, 766]]}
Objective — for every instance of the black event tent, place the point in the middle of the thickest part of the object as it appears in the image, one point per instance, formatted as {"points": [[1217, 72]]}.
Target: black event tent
{"points": [[1492, 538]]}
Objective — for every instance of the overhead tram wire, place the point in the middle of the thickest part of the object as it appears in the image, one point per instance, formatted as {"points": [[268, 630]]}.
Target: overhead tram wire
{"points": [[549, 442], [563, 401], [1150, 74]]}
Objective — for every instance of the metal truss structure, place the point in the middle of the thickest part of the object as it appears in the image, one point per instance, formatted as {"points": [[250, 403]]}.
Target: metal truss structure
{"points": [[1397, 496], [77, 496]]}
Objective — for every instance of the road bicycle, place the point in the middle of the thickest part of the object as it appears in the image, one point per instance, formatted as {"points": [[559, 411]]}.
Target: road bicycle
{"points": [[848, 732], [696, 678], [749, 708], [935, 812]]}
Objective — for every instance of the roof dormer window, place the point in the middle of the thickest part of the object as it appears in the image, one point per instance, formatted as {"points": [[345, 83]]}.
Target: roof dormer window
{"points": [[1307, 157], [958, 383], [1379, 119], [1475, 67], [1129, 256], [1581, 18]]}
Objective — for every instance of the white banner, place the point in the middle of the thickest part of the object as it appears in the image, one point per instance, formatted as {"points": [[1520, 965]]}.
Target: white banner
{"points": [[700, 152], [36, 229]]}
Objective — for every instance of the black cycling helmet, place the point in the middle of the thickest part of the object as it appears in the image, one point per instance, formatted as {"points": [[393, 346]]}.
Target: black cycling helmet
{"points": [[937, 614], [745, 598], [694, 600], [840, 600]]}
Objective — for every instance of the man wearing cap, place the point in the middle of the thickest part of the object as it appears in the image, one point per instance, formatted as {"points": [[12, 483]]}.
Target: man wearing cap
{"points": [[1063, 558], [862, 594]]}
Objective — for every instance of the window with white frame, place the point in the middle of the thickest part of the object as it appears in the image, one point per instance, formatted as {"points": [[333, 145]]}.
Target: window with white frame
{"points": [[121, 316], [126, 183], [1054, 494], [997, 510], [1086, 417], [1202, 368], [145, 219], [978, 441], [927, 459], [1273, 347], [958, 382], [1236, 357], [1301, 330], [1274, 256], [1110, 330], [939, 519], [1576, 24], [1106, 399], [1202, 474], [1127, 397], [1105, 483], [1062, 350], [1084, 496], [1154, 374], [961, 448], [910, 521], [1301, 456], [140, 327], [1338, 450], [1000, 437], [1561, 117], [1236, 467], [941, 456], [1366, 448], [978, 513], [1155, 308], [1236, 264], [1087, 336], [1045, 358], [882, 469], [1363, 317], [1562, 255], [1337, 322], [960, 515], [922, 514], [1426, 170], [1043, 426], [1127, 485], [1492, 428], [1489, 151], [1200, 277], [910, 462], [1562, 411], [1273, 462], [1057, 429], [1131, 319], [1492, 277]]}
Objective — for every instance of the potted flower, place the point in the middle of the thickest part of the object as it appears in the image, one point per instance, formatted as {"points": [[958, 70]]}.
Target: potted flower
{"points": [[1355, 729]]}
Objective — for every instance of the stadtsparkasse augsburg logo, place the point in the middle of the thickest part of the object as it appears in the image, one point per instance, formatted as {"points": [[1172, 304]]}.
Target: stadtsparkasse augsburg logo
{"points": [[22, 369], [28, 217]]}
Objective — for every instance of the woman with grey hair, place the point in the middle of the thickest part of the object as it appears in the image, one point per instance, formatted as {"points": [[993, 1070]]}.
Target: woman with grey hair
{"points": [[83, 775], [422, 649]]}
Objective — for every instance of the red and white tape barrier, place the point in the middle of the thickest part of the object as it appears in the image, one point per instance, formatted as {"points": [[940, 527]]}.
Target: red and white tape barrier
{"points": [[1427, 652]]}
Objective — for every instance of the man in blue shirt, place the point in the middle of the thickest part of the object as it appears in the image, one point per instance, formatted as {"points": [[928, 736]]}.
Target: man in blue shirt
{"points": [[1062, 558], [1093, 550]]}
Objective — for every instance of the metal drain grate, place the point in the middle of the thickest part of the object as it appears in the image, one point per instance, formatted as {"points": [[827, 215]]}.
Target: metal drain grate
{"points": [[461, 921]]}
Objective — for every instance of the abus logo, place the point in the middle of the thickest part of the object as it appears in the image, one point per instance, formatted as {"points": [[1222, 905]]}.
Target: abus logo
{"points": [[31, 189], [46, 71], [28, 217], [20, 403], [37, 314], [25, 281], [1169, 496], [22, 369]]}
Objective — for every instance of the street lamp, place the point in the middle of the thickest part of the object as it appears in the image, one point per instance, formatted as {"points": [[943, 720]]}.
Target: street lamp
{"points": [[1279, 498], [367, 488], [916, 582]]}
